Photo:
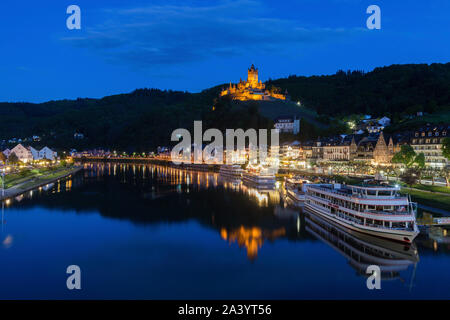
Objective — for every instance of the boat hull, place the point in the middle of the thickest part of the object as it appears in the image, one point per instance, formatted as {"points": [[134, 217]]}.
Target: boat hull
{"points": [[403, 236], [297, 199], [259, 181]]}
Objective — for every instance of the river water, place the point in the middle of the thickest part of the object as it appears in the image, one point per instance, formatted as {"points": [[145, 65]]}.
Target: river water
{"points": [[155, 232]]}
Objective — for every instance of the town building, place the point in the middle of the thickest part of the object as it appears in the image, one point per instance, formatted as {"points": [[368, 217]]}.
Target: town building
{"points": [[47, 153], [428, 140], [34, 153], [252, 89], [373, 125], [376, 148], [6, 152], [22, 153], [341, 148], [287, 124]]}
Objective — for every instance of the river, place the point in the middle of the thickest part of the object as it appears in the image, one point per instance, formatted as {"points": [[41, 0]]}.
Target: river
{"points": [[156, 232]]}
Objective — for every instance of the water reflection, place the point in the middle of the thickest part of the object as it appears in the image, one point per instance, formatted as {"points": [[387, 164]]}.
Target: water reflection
{"points": [[251, 238], [153, 194], [242, 216], [361, 250]]}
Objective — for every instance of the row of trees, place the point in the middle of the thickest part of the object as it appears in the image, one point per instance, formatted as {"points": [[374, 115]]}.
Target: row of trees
{"points": [[415, 163]]}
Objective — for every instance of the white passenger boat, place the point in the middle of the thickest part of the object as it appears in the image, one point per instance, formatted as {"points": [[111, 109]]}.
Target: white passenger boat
{"points": [[370, 208], [259, 177], [295, 190], [231, 171]]}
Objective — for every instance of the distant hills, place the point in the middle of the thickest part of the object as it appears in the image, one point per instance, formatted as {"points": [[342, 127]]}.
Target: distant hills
{"points": [[143, 119], [389, 90]]}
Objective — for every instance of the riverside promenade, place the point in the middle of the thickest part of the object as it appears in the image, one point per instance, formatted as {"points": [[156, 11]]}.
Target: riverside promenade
{"points": [[36, 182]]}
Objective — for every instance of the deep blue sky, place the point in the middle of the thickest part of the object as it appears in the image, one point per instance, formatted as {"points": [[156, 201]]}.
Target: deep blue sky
{"points": [[193, 45]]}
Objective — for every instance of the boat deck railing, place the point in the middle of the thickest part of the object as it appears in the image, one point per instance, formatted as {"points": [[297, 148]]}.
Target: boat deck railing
{"points": [[374, 225], [357, 195], [368, 211]]}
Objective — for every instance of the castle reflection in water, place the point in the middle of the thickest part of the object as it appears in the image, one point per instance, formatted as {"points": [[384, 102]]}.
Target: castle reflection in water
{"points": [[242, 216]]}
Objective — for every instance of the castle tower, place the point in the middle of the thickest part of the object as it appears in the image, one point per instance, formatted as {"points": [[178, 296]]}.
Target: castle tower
{"points": [[252, 77]]}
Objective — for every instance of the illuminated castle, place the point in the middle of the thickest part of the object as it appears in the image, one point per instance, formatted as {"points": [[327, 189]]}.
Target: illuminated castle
{"points": [[252, 89]]}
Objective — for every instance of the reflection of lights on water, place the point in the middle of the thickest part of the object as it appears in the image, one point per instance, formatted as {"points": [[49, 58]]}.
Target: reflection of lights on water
{"points": [[252, 238], [7, 242], [298, 223]]}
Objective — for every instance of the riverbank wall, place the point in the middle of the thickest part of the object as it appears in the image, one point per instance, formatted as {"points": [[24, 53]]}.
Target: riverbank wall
{"points": [[17, 190]]}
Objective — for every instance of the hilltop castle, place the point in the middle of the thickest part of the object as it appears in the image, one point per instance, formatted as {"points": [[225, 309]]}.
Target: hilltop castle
{"points": [[252, 89]]}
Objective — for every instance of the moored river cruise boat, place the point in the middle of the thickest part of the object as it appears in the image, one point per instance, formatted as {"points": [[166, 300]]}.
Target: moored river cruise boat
{"points": [[259, 177], [295, 190], [371, 208], [233, 171]]}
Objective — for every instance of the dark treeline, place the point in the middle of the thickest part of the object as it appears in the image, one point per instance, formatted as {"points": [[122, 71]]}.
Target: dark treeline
{"points": [[389, 90]]}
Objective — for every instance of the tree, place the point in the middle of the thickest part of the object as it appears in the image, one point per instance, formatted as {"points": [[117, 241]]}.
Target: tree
{"points": [[408, 157], [446, 171], [13, 159], [405, 156], [446, 148], [410, 176], [420, 164]]}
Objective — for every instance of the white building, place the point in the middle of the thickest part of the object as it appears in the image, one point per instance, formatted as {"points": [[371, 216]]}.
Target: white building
{"points": [[34, 153], [22, 153], [385, 121], [428, 140], [47, 153], [287, 124], [7, 152]]}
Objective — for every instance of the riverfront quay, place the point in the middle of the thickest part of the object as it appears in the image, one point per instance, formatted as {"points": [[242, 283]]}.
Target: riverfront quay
{"points": [[36, 182], [438, 202]]}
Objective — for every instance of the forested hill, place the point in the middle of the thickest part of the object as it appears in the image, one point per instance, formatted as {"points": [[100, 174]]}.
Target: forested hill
{"points": [[390, 90], [145, 118]]}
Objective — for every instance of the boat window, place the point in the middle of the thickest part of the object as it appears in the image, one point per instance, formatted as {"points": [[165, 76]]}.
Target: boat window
{"points": [[384, 193]]}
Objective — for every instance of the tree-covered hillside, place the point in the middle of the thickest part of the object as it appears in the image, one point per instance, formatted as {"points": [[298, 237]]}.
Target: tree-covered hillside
{"points": [[393, 90]]}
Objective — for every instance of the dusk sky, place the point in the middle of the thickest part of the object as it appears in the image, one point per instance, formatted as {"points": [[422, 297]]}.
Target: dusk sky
{"points": [[193, 45]]}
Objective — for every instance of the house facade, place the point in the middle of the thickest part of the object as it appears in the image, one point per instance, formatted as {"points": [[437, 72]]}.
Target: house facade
{"points": [[288, 124], [22, 153], [429, 140], [47, 153]]}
